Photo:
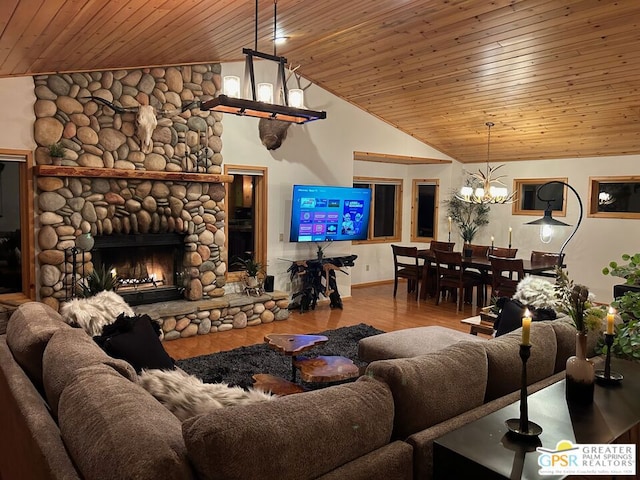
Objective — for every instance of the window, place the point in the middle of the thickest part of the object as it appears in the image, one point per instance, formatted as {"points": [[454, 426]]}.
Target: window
{"points": [[424, 210], [614, 197], [246, 223], [386, 208], [527, 202], [17, 260]]}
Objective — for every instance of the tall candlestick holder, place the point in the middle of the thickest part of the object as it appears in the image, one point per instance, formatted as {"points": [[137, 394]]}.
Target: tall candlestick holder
{"points": [[522, 427], [606, 376], [449, 237]]}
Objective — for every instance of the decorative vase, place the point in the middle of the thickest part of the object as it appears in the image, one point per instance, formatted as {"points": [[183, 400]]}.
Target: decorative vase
{"points": [[580, 374], [467, 251]]}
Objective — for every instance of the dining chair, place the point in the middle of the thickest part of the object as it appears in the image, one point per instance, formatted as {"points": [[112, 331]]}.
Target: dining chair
{"points": [[546, 258], [406, 265], [503, 252], [506, 273], [451, 274], [446, 246], [479, 250], [429, 286]]}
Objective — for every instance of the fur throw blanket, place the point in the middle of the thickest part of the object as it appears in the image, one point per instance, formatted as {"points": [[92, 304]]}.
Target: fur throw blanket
{"points": [[537, 293], [93, 313], [186, 395]]}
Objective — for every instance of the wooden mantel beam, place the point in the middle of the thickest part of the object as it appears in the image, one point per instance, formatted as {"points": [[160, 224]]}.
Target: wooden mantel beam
{"points": [[403, 159], [88, 172]]}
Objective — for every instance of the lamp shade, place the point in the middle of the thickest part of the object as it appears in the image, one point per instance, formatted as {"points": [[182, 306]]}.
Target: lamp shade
{"points": [[231, 86]]}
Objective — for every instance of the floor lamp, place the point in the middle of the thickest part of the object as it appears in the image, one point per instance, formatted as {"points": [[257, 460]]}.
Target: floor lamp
{"points": [[548, 220]]}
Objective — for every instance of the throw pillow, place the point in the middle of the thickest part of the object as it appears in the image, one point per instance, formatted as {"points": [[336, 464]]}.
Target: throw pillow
{"points": [[93, 313], [186, 395], [135, 339]]}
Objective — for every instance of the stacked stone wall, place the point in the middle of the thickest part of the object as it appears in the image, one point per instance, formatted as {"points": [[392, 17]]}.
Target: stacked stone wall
{"points": [[94, 135]]}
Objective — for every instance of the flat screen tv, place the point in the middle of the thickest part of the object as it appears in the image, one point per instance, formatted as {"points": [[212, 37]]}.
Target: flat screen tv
{"points": [[326, 213]]}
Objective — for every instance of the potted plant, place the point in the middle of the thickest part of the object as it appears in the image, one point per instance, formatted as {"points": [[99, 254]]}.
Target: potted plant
{"points": [[252, 267], [56, 152], [630, 272], [469, 217], [100, 279]]}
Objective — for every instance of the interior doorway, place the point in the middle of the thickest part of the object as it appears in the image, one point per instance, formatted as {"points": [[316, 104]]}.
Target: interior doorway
{"points": [[246, 203]]}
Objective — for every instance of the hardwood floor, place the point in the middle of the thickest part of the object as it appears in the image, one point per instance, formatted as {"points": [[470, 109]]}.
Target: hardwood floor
{"points": [[373, 305]]}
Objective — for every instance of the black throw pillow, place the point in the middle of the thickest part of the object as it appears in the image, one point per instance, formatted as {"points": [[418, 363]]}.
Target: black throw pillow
{"points": [[511, 313], [135, 340]]}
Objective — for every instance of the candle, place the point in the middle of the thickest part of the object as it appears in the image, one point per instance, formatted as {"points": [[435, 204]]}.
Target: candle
{"points": [[526, 327], [610, 320], [492, 241], [510, 230], [449, 224]]}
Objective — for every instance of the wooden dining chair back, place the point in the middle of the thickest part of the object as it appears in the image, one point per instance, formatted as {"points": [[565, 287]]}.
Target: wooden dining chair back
{"points": [[545, 257], [479, 250], [446, 246], [503, 252], [406, 264], [506, 273], [450, 274]]}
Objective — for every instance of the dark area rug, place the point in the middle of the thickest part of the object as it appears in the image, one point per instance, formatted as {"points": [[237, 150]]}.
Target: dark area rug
{"points": [[236, 366]]}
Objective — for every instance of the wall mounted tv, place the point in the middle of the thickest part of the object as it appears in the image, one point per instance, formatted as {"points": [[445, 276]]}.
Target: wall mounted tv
{"points": [[326, 213]]}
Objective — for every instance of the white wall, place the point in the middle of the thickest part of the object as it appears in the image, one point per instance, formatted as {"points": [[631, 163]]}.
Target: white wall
{"points": [[16, 116]]}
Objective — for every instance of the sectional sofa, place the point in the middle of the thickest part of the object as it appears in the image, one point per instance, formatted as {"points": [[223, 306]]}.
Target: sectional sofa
{"points": [[70, 411]]}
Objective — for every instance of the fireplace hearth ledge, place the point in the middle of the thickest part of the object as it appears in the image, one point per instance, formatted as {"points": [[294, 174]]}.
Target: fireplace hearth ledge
{"points": [[184, 318]]}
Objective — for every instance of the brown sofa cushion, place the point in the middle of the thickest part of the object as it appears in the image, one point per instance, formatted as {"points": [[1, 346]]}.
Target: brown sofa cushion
{"points": [[432, 388], [505, 365], [114, 429], [69, 350], [409, 342], [29, 329], [295, 437]]}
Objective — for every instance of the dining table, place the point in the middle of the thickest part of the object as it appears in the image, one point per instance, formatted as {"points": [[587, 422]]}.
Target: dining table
{"points": [[480, 263]]}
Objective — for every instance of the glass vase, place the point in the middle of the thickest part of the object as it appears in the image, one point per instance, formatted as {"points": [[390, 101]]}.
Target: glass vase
{"points": [[580, 374]]}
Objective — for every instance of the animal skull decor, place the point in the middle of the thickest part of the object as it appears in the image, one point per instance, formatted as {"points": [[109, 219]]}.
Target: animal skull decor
{"points": [[273, 132], [146, 118]]}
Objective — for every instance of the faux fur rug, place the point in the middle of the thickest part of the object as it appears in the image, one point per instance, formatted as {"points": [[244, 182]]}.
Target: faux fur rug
{"points": [[236, 367], [93, 313], [186, 396]]}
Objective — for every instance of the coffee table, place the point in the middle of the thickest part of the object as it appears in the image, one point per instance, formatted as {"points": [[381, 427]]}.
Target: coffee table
{"points": [[291, 344], [326, 368]]}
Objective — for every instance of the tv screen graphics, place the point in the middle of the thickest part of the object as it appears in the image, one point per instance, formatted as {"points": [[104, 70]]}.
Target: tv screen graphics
{"points": [[329, 213]]}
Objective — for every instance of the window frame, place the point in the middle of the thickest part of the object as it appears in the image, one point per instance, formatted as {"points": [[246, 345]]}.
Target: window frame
{"points": [[594, 190], [372, 181], [261, 214], [518, 184], [416, 182]]}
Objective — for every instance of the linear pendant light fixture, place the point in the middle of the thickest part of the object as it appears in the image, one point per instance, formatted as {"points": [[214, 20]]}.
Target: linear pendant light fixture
{"points": [[261, 104]]}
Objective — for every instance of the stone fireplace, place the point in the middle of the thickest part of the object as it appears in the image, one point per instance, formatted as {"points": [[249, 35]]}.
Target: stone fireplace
{"points": [[108, 186]]}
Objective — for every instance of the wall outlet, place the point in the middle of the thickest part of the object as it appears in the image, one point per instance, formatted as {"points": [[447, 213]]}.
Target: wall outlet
{"points": [[282, 237], [366, 268]]}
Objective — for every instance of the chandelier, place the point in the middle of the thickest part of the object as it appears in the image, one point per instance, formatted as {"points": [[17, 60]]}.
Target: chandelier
{"points": [[289, 103], [484, 187]]}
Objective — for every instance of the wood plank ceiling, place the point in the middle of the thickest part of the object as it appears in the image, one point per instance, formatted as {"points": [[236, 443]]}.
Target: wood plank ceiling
{"points": [[558, 79]]}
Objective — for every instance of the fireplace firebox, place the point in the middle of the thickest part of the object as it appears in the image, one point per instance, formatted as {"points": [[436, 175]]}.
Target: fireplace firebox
{"points": [[148, 266]]}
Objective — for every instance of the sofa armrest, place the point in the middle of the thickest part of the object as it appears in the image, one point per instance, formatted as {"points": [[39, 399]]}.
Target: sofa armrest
{"points": [[30, 444]]}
